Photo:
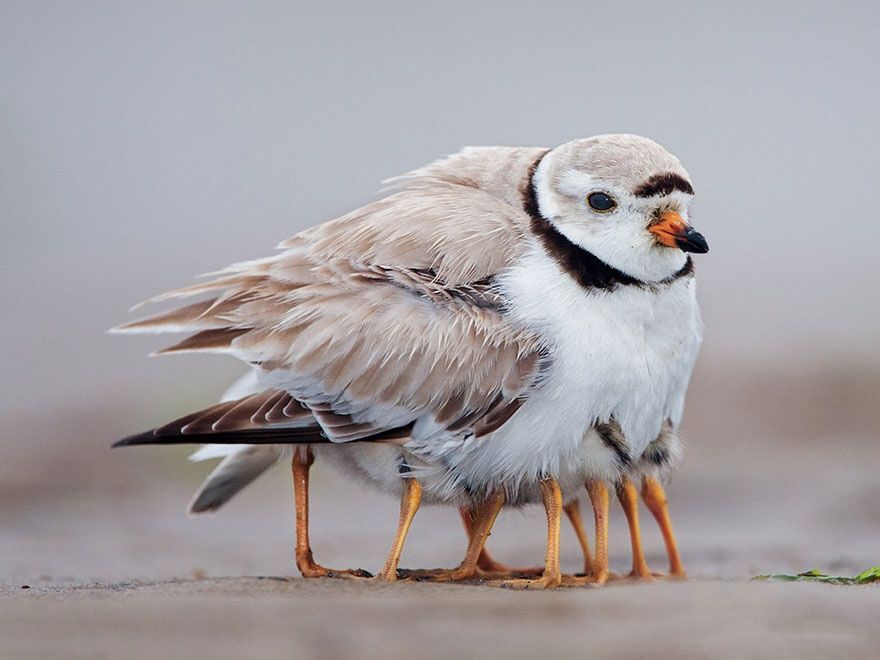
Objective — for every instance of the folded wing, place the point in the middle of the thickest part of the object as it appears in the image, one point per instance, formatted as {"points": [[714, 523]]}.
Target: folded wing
{"points": [[379, 320]]}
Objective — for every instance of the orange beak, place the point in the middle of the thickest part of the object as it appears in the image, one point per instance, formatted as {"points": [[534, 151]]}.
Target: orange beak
{"points": [[672, 231]]}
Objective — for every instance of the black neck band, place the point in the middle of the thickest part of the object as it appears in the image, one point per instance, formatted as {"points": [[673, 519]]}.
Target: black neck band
{"points": [[586, 268]]}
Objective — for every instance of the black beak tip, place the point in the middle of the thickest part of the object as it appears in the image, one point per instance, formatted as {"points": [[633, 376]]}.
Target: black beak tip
{"points": [[692, 241]]}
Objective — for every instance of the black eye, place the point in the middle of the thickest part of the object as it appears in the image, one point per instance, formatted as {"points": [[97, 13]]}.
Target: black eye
{"points": [[601, 202]]}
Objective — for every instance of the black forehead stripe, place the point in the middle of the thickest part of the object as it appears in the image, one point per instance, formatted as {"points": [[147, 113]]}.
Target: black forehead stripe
{"points": [[663, 184]]}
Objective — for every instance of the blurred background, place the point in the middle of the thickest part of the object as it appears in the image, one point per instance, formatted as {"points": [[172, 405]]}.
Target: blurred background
{"points": [[144, 143]]}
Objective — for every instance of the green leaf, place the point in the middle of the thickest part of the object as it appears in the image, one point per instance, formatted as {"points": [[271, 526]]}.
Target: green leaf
{"points": [[815, 575], [871, 575]]}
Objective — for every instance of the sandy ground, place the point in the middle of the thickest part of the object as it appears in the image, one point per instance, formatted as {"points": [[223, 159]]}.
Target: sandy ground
{"points": [[776, 479], [251, 617]]}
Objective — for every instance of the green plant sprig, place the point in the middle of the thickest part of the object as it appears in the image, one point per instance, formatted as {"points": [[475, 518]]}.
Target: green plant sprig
{"points": [[815, 575]]}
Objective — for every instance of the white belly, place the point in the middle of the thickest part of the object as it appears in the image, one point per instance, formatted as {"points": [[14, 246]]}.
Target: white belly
{"points": [[627, 353]]}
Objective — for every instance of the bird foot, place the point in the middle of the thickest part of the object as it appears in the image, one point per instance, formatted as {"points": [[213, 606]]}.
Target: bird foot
{"points": [[457, 574], [679, 576], [386, 576], [531, 584], [633, 576], [318, 571], [460, 574], [498, 571], [419, 573], [592, 580]]}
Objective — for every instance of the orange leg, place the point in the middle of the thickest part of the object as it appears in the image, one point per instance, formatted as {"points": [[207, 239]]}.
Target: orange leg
{"points": [[485, 562], [573, 511], [302, 461], [409, 504], [484, 518], [629, 500], [599, 499], [551, 495], [655, 499], [487, 566]]}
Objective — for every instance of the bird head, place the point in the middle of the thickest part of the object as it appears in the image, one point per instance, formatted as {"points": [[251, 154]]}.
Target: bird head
{"points": [[623, 198]]}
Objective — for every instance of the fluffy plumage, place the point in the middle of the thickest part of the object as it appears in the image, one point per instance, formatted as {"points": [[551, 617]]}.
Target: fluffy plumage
{"points": [[438, 310]]}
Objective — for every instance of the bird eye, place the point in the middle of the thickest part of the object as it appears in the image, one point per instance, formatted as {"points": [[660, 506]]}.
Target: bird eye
{"points": [[601, 202]]}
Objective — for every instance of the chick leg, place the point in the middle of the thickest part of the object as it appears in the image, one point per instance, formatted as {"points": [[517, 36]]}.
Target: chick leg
{"points": [[302, 461], [629, 500], [484, 518], [485, 562], [599, 575], [655, 499], [551, 495], [409, 504], [487, 566], [573, 511]]}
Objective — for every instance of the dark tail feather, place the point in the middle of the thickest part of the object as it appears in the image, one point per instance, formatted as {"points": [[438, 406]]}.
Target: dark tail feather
{"points": [[271, 417], [280, 436], [303, 436]]}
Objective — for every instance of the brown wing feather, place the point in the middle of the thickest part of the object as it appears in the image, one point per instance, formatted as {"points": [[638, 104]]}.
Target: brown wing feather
{"points": [[211, 341], [387, 313], [241, 416], [232, 422]]}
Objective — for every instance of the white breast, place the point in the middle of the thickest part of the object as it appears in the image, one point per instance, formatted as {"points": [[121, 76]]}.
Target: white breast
{"points": [[626, 353]]}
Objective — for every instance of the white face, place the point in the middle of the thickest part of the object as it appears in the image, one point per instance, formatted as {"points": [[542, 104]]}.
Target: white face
{"points": [[612, 223]]}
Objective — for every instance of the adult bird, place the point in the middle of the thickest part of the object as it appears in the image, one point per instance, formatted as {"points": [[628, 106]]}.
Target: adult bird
{"points": [[520, 321]]}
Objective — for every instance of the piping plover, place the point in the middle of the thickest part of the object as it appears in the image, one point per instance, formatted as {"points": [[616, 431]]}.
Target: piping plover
{"points": [[521, 321]]}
